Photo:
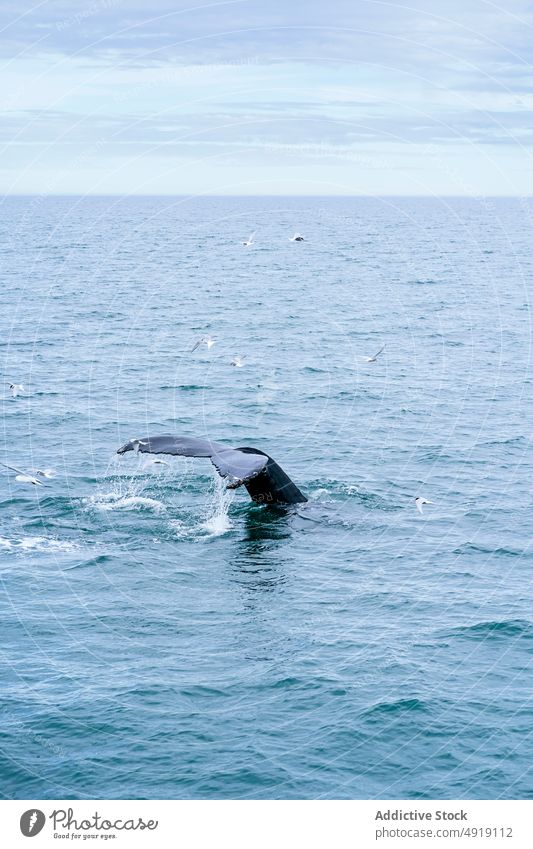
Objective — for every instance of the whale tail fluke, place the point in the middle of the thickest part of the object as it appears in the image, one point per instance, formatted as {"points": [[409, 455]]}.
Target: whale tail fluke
{"points": [[265, 481]]}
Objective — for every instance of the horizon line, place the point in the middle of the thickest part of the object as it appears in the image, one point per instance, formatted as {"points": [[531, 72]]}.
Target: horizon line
{"points": [[190, 196]]}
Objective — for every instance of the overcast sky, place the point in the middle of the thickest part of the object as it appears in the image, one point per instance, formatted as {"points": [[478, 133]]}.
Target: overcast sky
{"points": [[267, 97]]}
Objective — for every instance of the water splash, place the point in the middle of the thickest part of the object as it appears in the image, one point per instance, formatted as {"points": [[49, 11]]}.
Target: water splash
{"points": [[217, 520], [115, 501], [123, 490]]}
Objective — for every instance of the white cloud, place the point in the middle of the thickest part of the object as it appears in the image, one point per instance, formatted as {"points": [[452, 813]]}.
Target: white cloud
{"points": [[250, 84]]}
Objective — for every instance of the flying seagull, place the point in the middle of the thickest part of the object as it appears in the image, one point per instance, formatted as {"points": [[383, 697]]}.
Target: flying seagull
{"points": [[205, 340], [136, 445], [238, 362], [297, 238], [153, 461], [265, 481], [249, 241], [16, 388], [22, 477], [420, 502], [374, 358], [45, 473]]}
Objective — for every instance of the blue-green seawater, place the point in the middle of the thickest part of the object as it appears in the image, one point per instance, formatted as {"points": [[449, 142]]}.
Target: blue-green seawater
{"points": [[164, 639]]}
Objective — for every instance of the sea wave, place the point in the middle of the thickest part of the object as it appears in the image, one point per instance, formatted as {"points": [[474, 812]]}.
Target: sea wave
{"points": [[22, 545], [494, 629]]}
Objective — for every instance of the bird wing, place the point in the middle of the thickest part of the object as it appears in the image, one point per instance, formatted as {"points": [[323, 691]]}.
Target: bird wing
{"points": [[14, 469], [29, 479], [265, 481], [197, 345], [379, 352]]}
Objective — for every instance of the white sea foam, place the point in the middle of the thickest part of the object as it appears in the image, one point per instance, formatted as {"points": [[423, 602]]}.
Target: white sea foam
{"points": [[37, 544], [181, 529], [116, 501], [125, 494]]}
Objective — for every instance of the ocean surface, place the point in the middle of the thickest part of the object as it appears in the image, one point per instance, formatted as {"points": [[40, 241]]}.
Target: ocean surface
{"points": [[163, 638]]}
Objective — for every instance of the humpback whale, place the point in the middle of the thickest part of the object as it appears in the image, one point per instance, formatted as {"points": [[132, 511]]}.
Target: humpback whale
{"points": [[265, 481]]}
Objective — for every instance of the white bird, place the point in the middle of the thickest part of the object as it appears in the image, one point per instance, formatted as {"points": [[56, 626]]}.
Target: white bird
{"points": [[238, 362], [137, 444], [205, 340], [374, 358], [45, 473], [22, 477], [16, 388], [153, 461], [420, 502], [249, 241], [297, 238]]}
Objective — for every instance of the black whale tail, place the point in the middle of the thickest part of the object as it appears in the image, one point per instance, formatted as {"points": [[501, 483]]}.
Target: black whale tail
{"points": [[265, 481], [272, 485]]}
